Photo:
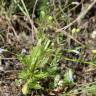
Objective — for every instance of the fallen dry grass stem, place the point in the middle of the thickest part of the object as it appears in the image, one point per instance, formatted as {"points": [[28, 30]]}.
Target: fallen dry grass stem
{"points": [[79, 18]]}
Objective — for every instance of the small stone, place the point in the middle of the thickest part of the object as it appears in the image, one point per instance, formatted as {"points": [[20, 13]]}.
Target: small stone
{"points": [[23, 51], [93, 35], [1, 68]]}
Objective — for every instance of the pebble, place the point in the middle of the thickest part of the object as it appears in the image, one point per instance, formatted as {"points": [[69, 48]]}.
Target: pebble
{"points": [[93, 35]]}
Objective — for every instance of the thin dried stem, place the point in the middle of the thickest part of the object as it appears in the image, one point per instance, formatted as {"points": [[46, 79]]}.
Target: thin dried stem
{"points": [[80, 17]]}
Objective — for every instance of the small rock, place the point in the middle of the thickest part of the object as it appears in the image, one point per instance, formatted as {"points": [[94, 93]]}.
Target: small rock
{"points": [[1, 68], [93, 35]]}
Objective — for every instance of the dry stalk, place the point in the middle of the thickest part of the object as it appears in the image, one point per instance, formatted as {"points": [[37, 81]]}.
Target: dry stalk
{"points": [[79, 18]]}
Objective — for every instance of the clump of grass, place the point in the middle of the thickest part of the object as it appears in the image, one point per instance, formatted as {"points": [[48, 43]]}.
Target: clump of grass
{"points": [[39, 64], [33, 62], [87, 89]]}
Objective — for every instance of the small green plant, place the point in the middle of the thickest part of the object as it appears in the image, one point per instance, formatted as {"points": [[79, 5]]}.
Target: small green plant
{"points": [[34, 63], [38, 65], [45, 19]]}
